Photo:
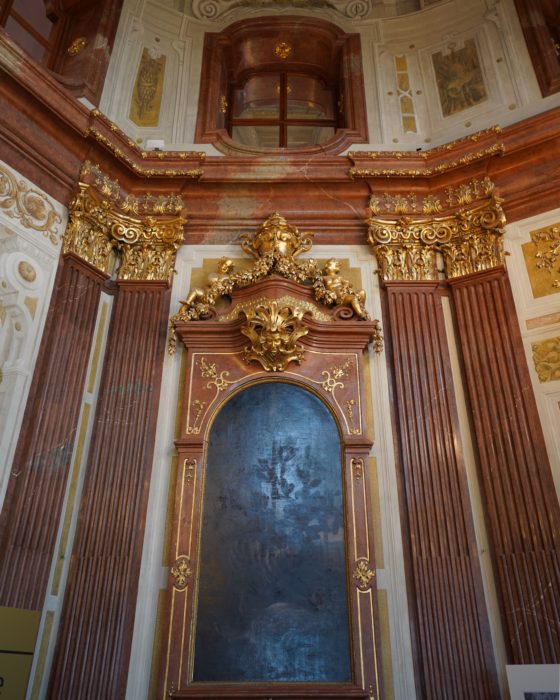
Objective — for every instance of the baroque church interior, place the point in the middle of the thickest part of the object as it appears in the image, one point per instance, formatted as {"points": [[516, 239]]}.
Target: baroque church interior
{"points": [[280, 349]]}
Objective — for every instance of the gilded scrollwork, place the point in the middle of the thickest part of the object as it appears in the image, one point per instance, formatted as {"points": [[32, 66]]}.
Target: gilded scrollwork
{"points": [[334, 375], [363, 574], [209, 370], [181, 572], [274, 331], [31, 207], [470, 240], [147, 246]]}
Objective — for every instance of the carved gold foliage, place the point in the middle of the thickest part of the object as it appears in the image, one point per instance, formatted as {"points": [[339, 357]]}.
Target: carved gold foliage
{"points": [[88, 232], [306, 307], [274, 331], [147, 246], [274, 247], [32, 208], [468, 192], [357, 465], [546, 356], [470, 240], [547, 244], [181, 572], [363, 574]]}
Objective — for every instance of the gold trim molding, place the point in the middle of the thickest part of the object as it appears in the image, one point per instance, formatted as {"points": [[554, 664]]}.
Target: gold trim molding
{"points": [[470, 240], [95, 231]]}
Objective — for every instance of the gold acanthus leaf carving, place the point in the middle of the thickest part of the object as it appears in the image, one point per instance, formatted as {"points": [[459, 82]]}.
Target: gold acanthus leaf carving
{"points": [[147, 246], [546, 356], [274, 247], [274, 331], [470, 240], [32, 208], [547, 243], [363, 574], [181, 572], [285, 300]]}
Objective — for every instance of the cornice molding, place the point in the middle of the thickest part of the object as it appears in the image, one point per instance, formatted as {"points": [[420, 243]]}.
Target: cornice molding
{"points": [[35, 106]]}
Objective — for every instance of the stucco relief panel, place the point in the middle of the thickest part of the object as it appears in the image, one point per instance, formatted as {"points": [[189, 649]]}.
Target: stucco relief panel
{"points": [[146, 89], [534, 267], [31, 227]]}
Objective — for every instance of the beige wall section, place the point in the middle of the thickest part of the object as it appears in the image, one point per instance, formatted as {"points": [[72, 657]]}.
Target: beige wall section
{"points": [[193, 265], [445, 28], [31, 227], [539, 317]]}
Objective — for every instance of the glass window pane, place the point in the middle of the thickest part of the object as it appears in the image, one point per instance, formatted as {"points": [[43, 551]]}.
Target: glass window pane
{"points": [[308, 98], [309, 135], [259, 98], [272, 598], [24, 39], [34, 13], [257, 136]]}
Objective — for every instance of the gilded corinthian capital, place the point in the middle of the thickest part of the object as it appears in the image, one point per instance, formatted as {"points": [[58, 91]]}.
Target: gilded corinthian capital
{"points": [[469, 240], [147, 246]]}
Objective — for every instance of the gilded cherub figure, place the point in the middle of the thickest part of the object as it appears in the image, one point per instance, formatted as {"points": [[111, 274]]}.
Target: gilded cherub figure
{"points": [[225, 268], [342, 290]]}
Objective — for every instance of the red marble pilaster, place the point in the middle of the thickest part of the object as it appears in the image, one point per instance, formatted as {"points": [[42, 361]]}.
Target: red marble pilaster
{"points": [[95, 633], [454, 656], [521, 504], [33, 503]]}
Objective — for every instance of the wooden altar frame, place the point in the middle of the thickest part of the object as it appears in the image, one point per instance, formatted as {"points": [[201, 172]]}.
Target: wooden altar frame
{"points": [[332, 369]]}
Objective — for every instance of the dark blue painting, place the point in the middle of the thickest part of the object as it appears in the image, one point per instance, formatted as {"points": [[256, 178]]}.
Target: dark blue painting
{"points": [[272, 596]]}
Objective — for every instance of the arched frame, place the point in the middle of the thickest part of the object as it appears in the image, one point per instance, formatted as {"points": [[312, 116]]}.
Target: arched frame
{"points": [[217, 368]]}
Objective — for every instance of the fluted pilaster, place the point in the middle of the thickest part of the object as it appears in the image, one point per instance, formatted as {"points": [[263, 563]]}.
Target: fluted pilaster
{"points": [[521, 503], [452, 631], [32, 508], [93, 649]]}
